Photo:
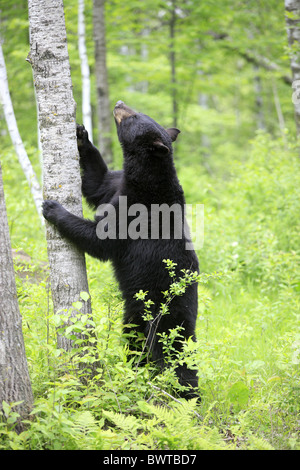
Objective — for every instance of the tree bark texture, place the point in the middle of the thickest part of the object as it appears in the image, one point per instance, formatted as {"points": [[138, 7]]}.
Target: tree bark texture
{"points": [[85, 73], [292, 8], [61, 175], [15, 383], [103, 105], [13, 130]]}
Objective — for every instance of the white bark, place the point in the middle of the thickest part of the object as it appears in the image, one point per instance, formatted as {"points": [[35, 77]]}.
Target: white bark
{"points": [[15, 383], [16, 138], [293, 32], [85, 72], [61, 175]]}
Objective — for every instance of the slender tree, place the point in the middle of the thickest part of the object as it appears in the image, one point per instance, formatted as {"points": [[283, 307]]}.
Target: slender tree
{"points": [[15, 383], [16, 138], [103, 105], [292, 17], [172, 32], [61, 176], [259, 109], [85, 72]]}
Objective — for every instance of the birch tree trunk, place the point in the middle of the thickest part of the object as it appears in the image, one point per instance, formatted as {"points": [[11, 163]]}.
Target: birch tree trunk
{"points": [[61, 175], [85, 73], [103, 106], [16, 138], [292, 17], [15, 383]]}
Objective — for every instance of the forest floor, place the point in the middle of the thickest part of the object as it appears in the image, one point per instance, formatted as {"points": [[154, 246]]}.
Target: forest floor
{"points": [[248, 338]]}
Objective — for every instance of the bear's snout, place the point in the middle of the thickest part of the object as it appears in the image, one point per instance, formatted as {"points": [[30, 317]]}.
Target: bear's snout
{"points": [[122, 111]]}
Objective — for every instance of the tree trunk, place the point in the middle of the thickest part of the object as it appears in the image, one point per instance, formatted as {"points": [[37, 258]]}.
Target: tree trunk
{"points": [[61, 176], [292, 17], [16, 139], [85, 73], [15, 383], [260, 119], [173, 63], [103, 105]]}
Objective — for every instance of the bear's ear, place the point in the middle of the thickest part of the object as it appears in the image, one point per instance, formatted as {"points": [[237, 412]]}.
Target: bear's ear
{"points": [[160, 147], [173, 133]]}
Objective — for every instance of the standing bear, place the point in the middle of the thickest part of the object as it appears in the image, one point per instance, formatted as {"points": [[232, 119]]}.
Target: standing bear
{"points": [[147, 184]]}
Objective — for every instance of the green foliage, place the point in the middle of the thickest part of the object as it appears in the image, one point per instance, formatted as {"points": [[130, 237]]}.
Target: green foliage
{"points": [[176, 427], [169, 428]]}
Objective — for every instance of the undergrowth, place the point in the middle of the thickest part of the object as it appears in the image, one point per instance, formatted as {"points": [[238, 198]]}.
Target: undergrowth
{"points": [[247, 353]]}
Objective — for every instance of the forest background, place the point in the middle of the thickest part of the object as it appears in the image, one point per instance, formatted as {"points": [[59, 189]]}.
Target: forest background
{"points": [[219, 71]]}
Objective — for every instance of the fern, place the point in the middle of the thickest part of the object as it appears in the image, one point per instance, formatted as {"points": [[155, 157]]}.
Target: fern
{"points": [[180, 413], [176, 428], [257, 443], [128, 423], [85, 429], [85, 423]]}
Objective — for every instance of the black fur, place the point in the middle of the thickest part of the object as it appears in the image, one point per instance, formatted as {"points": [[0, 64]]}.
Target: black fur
{"points": [[148, 177]]}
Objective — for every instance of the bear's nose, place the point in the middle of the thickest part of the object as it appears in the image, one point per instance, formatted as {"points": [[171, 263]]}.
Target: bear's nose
{"points": [[122, 111]]}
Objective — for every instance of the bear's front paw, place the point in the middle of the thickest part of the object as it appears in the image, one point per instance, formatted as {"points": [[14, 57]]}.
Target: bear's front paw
{"points": [[82, 135], [52, 210]]}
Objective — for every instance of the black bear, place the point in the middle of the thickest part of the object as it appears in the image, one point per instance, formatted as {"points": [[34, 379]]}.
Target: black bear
{"points": [[147, 184]]}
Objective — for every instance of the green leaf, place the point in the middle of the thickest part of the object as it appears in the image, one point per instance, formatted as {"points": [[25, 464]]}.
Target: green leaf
{"points": [[57, 320], [239, 393], [85, 296], [78, 305], [6, 408], [275, 378], [69, 329]]}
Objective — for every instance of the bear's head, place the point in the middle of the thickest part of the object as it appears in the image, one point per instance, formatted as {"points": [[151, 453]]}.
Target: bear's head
{"points": [[140, 135]]}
